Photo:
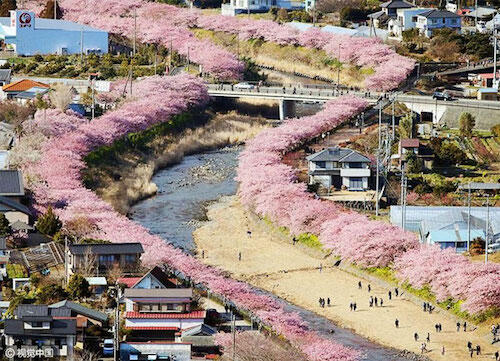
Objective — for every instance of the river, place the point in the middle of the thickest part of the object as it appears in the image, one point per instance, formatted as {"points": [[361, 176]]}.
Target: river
{"points": [[183, 192]]}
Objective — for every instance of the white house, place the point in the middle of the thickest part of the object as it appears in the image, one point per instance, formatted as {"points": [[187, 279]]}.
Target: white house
{"points": [[388, 11], [406, 19], [235, 7], [27, 35], [339, 168]]}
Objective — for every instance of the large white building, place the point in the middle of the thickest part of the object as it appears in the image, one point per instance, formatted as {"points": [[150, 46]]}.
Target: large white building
{"points": [[258, 6], [27, 35]]}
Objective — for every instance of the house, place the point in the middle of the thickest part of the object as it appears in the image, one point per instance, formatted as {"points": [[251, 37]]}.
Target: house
{"points": [[406, 19], [487, 94], [77, 310], [235, 7], [434, 19], [482, 13], [101, 257], [23, 88], [28, 35], [18, 215], [339, 168], [388, 11], [7, 140], [11, 184], [153, 318], [200, 337], [5, 76], [486, 80], [447, 226], [4, 258], [37, 327], [413, 146], [97, 285], [154, 278]]}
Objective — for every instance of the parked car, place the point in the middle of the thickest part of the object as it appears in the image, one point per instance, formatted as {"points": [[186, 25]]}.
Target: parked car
{"points": [[244, 85], [442, 95], [481, 27], [108, 347]]}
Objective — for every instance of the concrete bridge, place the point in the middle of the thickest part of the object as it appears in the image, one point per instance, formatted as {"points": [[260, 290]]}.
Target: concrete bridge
{"points": [[429, 109]]}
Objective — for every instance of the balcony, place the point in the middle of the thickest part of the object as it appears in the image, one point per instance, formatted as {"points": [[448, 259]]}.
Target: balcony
{"points": [[355, 172]]}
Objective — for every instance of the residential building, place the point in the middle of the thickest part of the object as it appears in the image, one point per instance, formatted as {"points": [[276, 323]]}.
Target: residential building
{"points": [[5, 76], [154, 317], [27, 35], [448, 226], [487, 94], [101, 257], [154, 278], [388, 11], [362, 31], [431, 20], [235, 7], [406, 19], [339, 168], [413, 146], [97, 285], [23, 90], [11, 184], [4, 258], [38, 327], [11, 195], [90, 316]]}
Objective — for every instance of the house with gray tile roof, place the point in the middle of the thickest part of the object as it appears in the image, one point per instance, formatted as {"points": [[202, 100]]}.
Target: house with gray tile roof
{"points": [[37, 325], [339, 168], [435, 19]]}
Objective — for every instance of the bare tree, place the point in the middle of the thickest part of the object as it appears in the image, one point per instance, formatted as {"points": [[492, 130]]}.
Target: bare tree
{"points": [[88, 263], [86, 355], [61, 96]]}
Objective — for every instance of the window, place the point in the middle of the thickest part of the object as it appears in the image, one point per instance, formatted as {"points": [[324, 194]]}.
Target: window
{"points": [[454, 21], [414, 19], [321, 165], [335, 164], [355, 165], [36, 324], [355, 183], [130, 258], [108, 258]]}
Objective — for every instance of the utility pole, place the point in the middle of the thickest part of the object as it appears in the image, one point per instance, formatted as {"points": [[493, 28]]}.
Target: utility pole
{"points": [[233, 330], [393, 120], [468, 219], [495, 56], [402, 196], [92, 80], [55, 9], [475, 17], [378, 161], [487, 228], [81, 45]]}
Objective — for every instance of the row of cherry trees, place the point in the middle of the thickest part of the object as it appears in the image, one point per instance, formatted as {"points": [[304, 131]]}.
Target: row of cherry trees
{"points": [[169, 25], [57, 144], [270, 188]]}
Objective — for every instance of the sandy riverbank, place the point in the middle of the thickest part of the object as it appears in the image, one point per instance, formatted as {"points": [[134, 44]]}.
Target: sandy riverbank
{"points": [[271, 262]]}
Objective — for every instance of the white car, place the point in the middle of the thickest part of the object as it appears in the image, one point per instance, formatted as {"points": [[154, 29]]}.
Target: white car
{"points": [[481, 27], [244, 85]]}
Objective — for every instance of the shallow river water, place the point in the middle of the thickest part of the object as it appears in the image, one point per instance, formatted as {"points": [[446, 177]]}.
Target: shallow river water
{"points": [[183, 192]]}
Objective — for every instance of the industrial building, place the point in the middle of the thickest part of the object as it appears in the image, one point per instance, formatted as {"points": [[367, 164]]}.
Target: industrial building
{"points": [[26, 35]]}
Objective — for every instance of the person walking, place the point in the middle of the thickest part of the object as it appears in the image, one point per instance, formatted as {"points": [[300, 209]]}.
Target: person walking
{"points": [[239, 256], [423, 347], [469, 345], [478, 349], [458, 326], [428, 339], [436, 326], [359, 285], [497, 356], [396, 291], [328, 301], [351, 306], [381, 302], [376, 301], [442, 351], [354, 306], [425, 306], [369, 287], [390, 295], [465, 326], [396, 323], [471, 352], [415, 336]]}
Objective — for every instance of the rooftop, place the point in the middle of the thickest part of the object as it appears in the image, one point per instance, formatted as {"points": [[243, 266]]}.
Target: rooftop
{"points": [[80, 310], [336, 154], [41, 23], [107, 248], [410, 143], [23, 85], [97, 281], [435, 13], [157, 273], [8, 203], [11, 183], [5, 74], [396, 4]]}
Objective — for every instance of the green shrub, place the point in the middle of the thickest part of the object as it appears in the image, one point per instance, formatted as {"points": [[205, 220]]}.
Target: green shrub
{"points": [[310, 240]]}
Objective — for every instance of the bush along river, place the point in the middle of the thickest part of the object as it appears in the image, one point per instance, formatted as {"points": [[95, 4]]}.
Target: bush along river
{"points": [[184, 191]]}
